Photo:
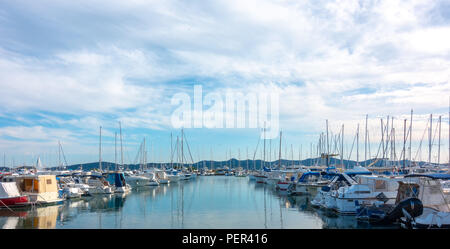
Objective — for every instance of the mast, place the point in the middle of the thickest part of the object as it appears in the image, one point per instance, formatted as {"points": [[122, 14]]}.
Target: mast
{"points": [[365, 143], [171, 151], [382, 138], [292, 155], [300, 156], [121, 148], [429, 138], [178, 151], [247, 158], [439, 144], [143, 156], [410, 139], [328, 146], [100, 151], [59, 155], [115, 151], [357, 146], [342, 147], [404, 143], [264, 157], [279, 153], [239, 158], [182, 154]]}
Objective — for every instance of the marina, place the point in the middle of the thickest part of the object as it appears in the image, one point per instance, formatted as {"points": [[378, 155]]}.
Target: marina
{"points": [[207, 202], [387, 191], [245, 121]]}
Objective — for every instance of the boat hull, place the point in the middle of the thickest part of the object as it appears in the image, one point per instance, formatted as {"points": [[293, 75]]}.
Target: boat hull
{"points": [[14, 201]]}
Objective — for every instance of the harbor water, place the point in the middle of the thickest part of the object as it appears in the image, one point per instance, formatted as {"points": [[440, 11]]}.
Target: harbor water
{"points": [[205, 202]]}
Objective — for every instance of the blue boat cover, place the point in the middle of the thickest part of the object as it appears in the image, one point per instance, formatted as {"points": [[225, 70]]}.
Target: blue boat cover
{"points": [[433, 176], [305, 175]]}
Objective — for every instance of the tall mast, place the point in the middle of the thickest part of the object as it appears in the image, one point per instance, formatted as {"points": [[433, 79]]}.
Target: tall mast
{"points": [[300, 156], [342, 147], [439, 144], [328, 146], [279, 153], [357, 146], [404, 143], [115, 151], [182, 155], [292, 155], [429, 138], [100, 151], [382, 137], [59, 155], [239, 158], [121, 148], [410, 139], [247, 158], [171, 151], [365, 143], [178, 151], [143, 156], [264, 157], [212, 162]]}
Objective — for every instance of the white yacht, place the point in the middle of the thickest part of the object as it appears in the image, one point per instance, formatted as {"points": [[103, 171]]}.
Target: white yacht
{"points": [[136, 180], [97, 184], [436, 208], [151, 176], [367, 191]]}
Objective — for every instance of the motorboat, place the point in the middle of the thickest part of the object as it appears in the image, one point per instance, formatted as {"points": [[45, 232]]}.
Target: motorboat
{"points": [[308, 184], [11, 197], [40, 189], [436, 209], [97, 184], [136, 180], [117, 180]]}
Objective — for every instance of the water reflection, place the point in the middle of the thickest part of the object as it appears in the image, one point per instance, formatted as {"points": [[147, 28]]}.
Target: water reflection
{"points": [[207, 202], [36, 217]]}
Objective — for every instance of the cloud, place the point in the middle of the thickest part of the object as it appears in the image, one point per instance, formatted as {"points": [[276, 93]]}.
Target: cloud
{"points": [[77, 65]]}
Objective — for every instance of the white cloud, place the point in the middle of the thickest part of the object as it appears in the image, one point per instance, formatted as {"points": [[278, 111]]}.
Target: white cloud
{"points": [[124, 60]]}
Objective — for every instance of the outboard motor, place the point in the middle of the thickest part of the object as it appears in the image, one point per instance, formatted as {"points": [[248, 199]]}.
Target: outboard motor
{"points": [[412, 206]]}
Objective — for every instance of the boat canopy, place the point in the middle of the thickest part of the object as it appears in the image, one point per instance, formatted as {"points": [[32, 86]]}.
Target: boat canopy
{"points": [[118, 179], [307, 174], [358, 170], [432, 176], [267, 169], [8, 189]]}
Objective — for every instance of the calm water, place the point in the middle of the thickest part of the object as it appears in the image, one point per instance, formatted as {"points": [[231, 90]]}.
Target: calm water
{"points": [[207, 202]]}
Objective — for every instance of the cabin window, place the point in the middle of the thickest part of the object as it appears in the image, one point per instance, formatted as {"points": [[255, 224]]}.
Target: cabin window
{"points": [[380, 184], [49, 181], [362, 192]]}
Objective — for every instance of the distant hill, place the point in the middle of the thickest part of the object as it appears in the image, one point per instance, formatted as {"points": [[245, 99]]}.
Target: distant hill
{"points": [[233, 163]]}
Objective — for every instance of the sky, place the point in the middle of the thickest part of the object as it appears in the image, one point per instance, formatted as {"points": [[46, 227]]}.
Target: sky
{"points": [[69, 67]]}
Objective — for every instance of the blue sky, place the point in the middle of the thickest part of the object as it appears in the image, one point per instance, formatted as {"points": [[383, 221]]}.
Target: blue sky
{"points": [[67, 67]]}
